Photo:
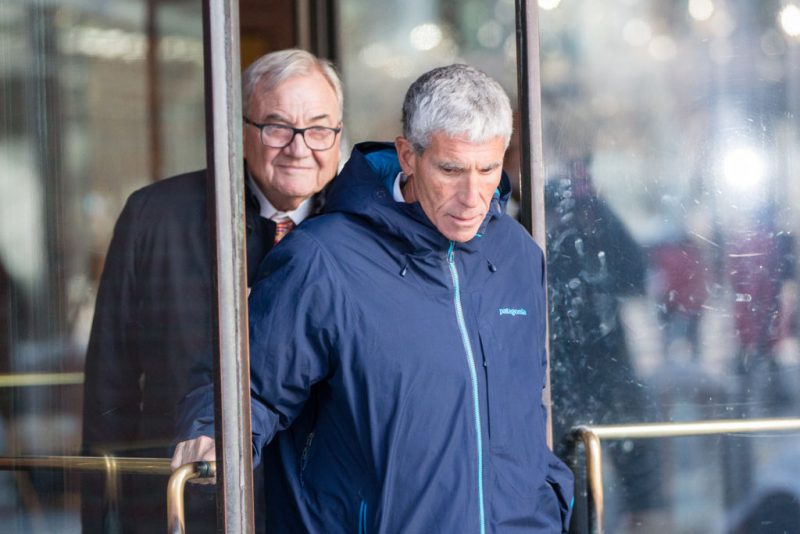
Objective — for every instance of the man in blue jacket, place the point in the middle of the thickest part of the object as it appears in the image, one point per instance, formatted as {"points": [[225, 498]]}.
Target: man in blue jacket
{"points": [[398, 341]]}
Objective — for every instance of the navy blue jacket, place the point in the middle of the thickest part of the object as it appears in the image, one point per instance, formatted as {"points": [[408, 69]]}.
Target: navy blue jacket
{"points": [[403, 372]]}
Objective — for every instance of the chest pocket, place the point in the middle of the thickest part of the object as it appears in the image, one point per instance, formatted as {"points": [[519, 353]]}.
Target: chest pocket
{"points": [[513, 387], [492, 364]]}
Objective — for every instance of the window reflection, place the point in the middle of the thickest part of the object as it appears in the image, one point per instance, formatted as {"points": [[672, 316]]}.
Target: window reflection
{"points": [[384, 50], [78, 133], [684, 115]]}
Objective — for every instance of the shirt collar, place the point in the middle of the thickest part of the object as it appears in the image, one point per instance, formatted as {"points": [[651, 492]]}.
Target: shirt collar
{"points": [[397, 193], [268, 211]]}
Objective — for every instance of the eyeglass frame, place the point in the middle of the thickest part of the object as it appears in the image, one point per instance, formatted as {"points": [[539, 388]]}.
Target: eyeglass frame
{"points": [[295, 131]]}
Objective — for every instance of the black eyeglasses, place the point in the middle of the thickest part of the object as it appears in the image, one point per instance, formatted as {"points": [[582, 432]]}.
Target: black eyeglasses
{"points": [[281, 136]]}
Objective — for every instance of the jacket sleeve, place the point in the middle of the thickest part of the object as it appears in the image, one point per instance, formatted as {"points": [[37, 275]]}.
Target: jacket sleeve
{"points": [[111, 383], [195, 415], [296, 314]]}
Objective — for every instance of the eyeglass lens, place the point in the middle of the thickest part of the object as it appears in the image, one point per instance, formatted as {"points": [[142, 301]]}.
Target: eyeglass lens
{"points": [[315, 137]]}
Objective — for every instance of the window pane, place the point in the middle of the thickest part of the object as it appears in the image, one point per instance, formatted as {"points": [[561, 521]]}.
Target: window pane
{"points": [[87, 119], [384, 50], [671, 143]]}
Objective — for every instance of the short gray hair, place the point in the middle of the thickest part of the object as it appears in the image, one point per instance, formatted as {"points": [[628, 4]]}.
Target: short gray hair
{"points": [[457, 100], [276, 67]]}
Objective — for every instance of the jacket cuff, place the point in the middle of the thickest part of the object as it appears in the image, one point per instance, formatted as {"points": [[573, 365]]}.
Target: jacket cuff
{"points": [[195, 414]]}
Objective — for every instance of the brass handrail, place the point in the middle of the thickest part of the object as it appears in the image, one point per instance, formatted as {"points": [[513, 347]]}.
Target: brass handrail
{"points": [[16, 380], [591, 437], [142, 466], [112, 465], [177, 483]]}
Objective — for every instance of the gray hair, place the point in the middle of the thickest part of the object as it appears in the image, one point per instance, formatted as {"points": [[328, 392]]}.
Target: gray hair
{"points": [[276, 67], [457, 100]]}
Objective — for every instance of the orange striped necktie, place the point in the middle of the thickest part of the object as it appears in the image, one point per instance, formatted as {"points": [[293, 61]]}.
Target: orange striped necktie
{"points": [[283, 227]]}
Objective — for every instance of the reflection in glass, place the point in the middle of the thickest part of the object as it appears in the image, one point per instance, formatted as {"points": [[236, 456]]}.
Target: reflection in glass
{"points": [[671, 143], [384, 50], [87, 117]]}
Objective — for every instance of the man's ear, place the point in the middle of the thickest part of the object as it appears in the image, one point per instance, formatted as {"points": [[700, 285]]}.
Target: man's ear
{"points": [[406, 155]]}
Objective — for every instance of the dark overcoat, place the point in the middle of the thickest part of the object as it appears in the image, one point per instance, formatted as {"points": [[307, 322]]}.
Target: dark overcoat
{"points": [[151, 342]]}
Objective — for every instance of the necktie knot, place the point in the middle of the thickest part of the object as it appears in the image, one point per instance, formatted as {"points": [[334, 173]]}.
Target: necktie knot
{"points": [[283, 227]]}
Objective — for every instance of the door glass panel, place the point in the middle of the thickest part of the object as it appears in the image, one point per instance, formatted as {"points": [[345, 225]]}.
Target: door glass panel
{"points": [[671, 143], [88, 116], [384, 50]]}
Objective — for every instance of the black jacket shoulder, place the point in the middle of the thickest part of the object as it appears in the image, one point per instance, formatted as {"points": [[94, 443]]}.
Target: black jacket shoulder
{"points": [[178, 195]]}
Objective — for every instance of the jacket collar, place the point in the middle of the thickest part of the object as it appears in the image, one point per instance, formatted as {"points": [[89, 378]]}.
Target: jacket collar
{"points": [[364, 189]]}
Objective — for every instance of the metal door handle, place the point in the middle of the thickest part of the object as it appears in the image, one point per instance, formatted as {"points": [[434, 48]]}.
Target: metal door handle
{"points": [[112, 466], [175, 490], [591, 437]]}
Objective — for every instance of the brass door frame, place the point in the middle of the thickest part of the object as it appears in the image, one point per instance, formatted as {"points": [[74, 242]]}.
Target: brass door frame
{"points": [[113, 466], [225, 169], [592, 436]]}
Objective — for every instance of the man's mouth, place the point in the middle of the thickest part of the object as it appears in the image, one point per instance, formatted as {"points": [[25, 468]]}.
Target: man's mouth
{"points": [[465, 219], [293, 168]]}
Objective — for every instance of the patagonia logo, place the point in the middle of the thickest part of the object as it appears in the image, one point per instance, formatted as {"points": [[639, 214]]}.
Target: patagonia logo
{"points": [[513, 311]]}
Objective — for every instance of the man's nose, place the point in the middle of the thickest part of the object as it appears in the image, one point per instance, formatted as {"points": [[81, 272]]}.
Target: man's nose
{"points": [[471, 190], [298, 147]]}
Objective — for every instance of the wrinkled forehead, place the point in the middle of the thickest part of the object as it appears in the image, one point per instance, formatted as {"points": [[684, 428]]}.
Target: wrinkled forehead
{"points": [[460, 148], [309, 94]]}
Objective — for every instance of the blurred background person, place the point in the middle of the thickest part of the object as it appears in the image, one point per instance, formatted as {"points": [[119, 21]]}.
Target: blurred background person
{"points": [[679, 283], [592, 261], [759, 263]]}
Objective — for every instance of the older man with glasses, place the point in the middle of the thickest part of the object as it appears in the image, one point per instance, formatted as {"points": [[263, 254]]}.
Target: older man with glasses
{"points": [[151, 339]]}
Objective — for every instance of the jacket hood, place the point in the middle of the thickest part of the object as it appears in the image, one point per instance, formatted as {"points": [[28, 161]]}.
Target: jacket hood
{"points": [[364, 189]]}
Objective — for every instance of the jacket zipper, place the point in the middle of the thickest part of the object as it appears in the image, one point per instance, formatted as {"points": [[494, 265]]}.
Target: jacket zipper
{"points": [[462, 326], [304, 457], [362, 517]]}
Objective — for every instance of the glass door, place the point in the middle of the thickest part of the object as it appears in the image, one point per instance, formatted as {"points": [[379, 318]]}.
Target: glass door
{"points": [[99, 100], [670, 147]]}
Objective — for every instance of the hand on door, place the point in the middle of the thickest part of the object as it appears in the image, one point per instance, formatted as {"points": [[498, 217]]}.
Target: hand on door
{"points": [[201, 449]]}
